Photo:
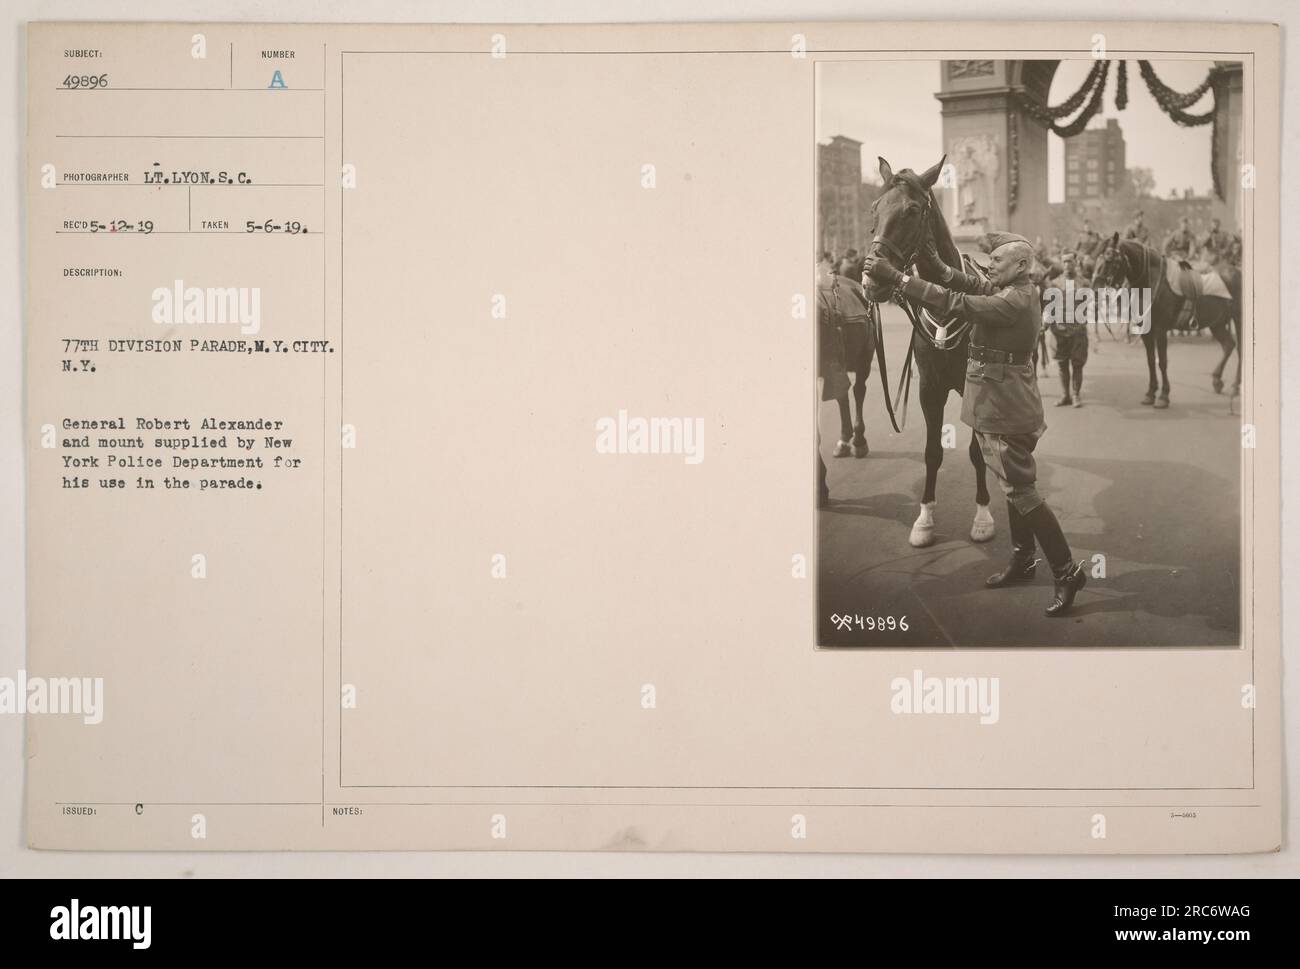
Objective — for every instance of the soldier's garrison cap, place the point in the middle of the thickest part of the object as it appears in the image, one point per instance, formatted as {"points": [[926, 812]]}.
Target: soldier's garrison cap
{"points": [[997, 239]]}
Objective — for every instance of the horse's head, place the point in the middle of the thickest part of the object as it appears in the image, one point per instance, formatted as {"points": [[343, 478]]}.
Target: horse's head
{"points": [[901, 219], [1110, 267]]}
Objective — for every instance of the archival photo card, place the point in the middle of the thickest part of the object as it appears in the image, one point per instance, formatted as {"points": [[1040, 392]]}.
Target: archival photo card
{"points": [[787, 437]]}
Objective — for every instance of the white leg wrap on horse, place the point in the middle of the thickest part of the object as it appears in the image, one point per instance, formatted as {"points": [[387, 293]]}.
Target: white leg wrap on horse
{"points": [[981, 530], [923, 528]]}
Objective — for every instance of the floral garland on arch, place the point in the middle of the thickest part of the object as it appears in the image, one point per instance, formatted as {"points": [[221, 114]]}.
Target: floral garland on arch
{"points": [[1094, 84], [1171, 102]]}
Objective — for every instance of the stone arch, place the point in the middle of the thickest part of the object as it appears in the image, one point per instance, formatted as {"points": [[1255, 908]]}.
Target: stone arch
{"points": [[984, 124], [999, 151]]}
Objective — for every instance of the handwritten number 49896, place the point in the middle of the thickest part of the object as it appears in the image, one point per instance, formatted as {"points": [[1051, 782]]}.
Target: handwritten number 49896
{"points": [[871, 623]]}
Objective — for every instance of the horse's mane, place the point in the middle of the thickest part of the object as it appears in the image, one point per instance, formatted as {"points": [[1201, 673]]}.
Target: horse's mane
{"points": [[942, 235]]}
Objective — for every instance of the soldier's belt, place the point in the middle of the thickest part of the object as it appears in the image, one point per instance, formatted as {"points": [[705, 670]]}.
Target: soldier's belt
{"points": [[989, 355]]}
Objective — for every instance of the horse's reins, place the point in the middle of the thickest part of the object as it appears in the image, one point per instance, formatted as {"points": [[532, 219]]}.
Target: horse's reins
{"points": [[923, 322], [878, 337]]}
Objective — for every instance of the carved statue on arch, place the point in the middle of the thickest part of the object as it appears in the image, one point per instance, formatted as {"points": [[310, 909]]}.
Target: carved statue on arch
{"points": [[975, 158]]}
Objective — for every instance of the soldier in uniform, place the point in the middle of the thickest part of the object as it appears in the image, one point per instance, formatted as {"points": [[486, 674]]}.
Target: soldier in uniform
{"points": [[1040, 251], [1216, 242], [1234, 250], [1039, 275], [1001, 400], [1181, 244], [1089, 240], [1069, 336], [848, 342], [1137, 229]]}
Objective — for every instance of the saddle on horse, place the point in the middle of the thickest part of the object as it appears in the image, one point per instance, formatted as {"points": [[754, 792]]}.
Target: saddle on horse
{"points": [[846, 332], [1190, 285]]}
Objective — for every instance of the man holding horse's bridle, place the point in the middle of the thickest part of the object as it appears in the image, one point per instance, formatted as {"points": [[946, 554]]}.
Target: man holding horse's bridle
{"points": [[1000, 401]]}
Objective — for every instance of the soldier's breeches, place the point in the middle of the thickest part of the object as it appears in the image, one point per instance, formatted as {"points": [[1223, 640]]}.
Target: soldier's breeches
{"points": [[1071, 376], [1072, 347], [1011, 459]]}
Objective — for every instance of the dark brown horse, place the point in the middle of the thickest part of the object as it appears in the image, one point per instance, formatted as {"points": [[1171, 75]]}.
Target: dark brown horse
{"points": [[908, 220], [1223, 317], [1131, 264]]}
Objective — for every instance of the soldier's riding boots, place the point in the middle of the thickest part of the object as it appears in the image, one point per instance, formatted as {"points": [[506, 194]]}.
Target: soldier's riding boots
{"points": [[1069, 580], [1069, 576], [1023, 561], [1065, 399]]}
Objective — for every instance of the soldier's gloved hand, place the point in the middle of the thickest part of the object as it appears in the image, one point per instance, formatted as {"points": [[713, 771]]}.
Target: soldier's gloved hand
{"points": [[879, 269], [930, 265]]}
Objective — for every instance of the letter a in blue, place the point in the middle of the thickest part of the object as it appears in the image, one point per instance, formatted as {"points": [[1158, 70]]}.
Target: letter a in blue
{"points": [[277, 82]]}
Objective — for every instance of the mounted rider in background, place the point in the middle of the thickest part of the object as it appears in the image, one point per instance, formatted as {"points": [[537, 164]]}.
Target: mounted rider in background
{"points": [[1181, 246], [1137, 229]]}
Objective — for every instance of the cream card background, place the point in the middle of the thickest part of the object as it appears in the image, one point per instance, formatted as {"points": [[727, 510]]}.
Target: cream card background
{"points": [[749, 696]]}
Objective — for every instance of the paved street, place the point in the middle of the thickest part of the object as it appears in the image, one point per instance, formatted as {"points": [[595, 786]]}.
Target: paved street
{"points": [[1156, 492]]}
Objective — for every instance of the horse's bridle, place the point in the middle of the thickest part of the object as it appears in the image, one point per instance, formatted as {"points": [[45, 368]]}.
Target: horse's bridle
{"points": [[1124, 279], [905, 261], [935, 332], [1106, 261], [923, 322]]}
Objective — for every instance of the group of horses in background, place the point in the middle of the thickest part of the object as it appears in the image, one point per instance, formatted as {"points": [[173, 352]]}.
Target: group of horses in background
{"points": [[1215, 295]]}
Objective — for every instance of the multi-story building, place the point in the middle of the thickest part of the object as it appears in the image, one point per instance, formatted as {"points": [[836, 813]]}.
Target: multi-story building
{"points": [[839, 191], [1094, 163]]}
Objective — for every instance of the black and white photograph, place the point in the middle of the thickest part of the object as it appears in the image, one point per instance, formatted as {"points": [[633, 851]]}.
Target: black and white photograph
{"points": [[1030, 353]]}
